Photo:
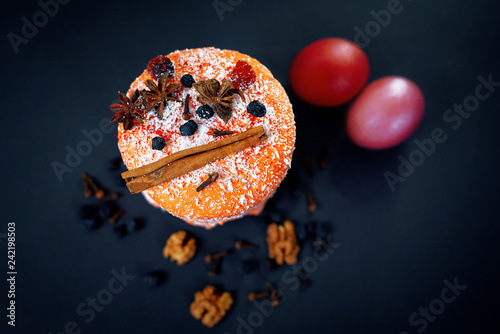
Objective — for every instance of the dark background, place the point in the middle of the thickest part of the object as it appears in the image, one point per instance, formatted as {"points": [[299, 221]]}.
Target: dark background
{"points": [[394, 249]]}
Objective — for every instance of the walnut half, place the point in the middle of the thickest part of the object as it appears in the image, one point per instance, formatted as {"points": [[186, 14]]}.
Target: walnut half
{"points": [[282, 243], [178, 249], [209, 306]]}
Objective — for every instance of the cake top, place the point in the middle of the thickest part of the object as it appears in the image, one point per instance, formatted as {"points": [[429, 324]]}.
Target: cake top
{"points": [[170, 123]]}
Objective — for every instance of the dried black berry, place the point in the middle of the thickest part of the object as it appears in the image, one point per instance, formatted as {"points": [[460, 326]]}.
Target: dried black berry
{"points": [[321, 231], [121, 230], [106, 209], [188, 128], [158, 143], [205, 111], [248, 266], [256, 108], [91, 223], [88, 211], [134, 225], [311, 229], [300, 232], [114, 164], [187, 80], [267, 265], [155, 278]]}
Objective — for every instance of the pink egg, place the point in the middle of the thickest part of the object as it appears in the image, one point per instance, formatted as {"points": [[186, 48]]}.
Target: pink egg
{"points": [[385, 113]]}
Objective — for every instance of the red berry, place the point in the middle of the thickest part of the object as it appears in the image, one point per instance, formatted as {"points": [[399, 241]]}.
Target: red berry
{"points": [[160, 65], [243, 76]]}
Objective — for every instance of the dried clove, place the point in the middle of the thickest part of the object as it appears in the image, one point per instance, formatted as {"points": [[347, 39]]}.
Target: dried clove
{"points": [[245, 244], [211, 178], [186, 115], [311, 202]]}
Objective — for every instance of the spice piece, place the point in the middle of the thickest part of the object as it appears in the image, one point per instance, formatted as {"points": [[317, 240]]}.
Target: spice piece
{"points": [[216, 259], [128, 110], [92, 185], [211, 178], [217, 256], [209, 306], [311, 203], [242, 76], [116, 216], [188, 160], [245, 244], [178, 248], [186, 115], [252, 296], [272, 293], [158, 95], [220, 96], [88, 192], [217, 133], [282, 243], [275, 300]]}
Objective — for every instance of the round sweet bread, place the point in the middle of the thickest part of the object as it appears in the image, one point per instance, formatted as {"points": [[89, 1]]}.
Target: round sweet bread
{"points": [[246, 178]]}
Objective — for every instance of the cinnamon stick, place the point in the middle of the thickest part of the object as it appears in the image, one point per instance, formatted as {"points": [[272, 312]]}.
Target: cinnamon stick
{"points": [[185, 161]]}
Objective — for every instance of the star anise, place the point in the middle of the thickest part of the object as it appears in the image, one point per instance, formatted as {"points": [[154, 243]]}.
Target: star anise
{"points": [[159, 94], [128, 110], [220, 96]]}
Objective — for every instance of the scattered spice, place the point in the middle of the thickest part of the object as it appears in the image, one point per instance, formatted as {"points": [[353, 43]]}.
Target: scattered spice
{"points": [[212, 177], [220, 96], [116, 216], [217, 256], [128, 110], [185, 161], [245, 244], [216, 260], [218, 133], [88, 192], [91, 187], [186, 115], [210, 307], [158, 95], [282, 243], [179, 248], [271, 293], [252, 296], [311, 202]]}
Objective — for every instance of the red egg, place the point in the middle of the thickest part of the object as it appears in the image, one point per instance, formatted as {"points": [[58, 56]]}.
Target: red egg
{"points": [[385, 113], [329, 72]]}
